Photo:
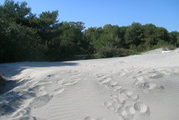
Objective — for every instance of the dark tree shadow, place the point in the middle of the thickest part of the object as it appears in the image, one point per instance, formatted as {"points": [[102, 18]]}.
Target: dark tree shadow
{"points": [[10, 69]]}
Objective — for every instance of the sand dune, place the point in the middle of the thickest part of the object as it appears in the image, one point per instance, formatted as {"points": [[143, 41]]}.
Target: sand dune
{"points": [[139, 87]]}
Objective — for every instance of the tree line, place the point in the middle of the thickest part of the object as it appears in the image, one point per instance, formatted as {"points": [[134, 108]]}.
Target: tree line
{"points": [[25, 36]]}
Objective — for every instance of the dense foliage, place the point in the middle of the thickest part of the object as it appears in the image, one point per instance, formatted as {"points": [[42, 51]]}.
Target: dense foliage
{"points": [[25, 36]]}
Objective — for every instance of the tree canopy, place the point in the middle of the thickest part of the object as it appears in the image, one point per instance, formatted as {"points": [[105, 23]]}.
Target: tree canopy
{"points": [[25, 36]]}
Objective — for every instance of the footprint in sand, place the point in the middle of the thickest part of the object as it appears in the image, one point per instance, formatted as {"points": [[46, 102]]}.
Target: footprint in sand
{"points": [[139, 80], [102, 79], [45, 82], [142, 111], [113, 105], [124, 102], [101, 76], [112, 84], [38, 90], [127, 112], [23, 114], [91, 118], [124, 72], [138, 111], [60, 81], [40, 101], [70, 80], [141, 108], [120, 100], [58, 91], [106, 80], [50, 75], [150, 86], [130, 95], [154, 75], [141, 83], [117, 88]]}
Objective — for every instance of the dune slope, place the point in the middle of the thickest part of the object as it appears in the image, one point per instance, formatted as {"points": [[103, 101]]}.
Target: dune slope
{"points": [[139, 87]]}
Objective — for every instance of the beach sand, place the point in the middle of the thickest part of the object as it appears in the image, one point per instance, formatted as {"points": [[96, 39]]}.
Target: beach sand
{"points": [[138, 87]]}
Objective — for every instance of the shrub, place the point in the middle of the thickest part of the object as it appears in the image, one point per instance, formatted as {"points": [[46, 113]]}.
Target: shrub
{"points": [[110, 51], [169, 47]]}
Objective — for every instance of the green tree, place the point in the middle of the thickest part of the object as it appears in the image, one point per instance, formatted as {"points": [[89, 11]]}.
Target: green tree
{"points": [[26, 36], [134, 34], [18, 42], [174, 37], [72, 40], [149, 35]]}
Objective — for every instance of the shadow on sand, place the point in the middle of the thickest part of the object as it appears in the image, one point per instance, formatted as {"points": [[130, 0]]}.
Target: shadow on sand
{"points": [[11, 69], [10, 99]]}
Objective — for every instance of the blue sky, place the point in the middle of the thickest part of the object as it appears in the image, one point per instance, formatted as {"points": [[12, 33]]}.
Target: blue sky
{"points": [[97, 13]]}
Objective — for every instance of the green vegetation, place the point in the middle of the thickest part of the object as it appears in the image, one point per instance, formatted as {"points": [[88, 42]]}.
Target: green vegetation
{"points": [[24, 36]]}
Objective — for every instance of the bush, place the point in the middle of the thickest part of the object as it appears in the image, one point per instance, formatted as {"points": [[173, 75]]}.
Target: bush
{"points": [[169, 47], [111, 51]]}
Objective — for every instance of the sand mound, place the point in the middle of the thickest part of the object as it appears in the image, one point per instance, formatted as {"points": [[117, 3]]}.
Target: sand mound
{"points": [[140, 87]]}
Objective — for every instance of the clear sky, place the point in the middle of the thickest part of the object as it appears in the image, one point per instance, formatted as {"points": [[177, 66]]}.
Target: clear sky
{"points": [[97, 13]]}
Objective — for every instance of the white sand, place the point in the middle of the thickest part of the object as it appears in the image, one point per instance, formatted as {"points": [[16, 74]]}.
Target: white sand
{"points": [[140, 87]]}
